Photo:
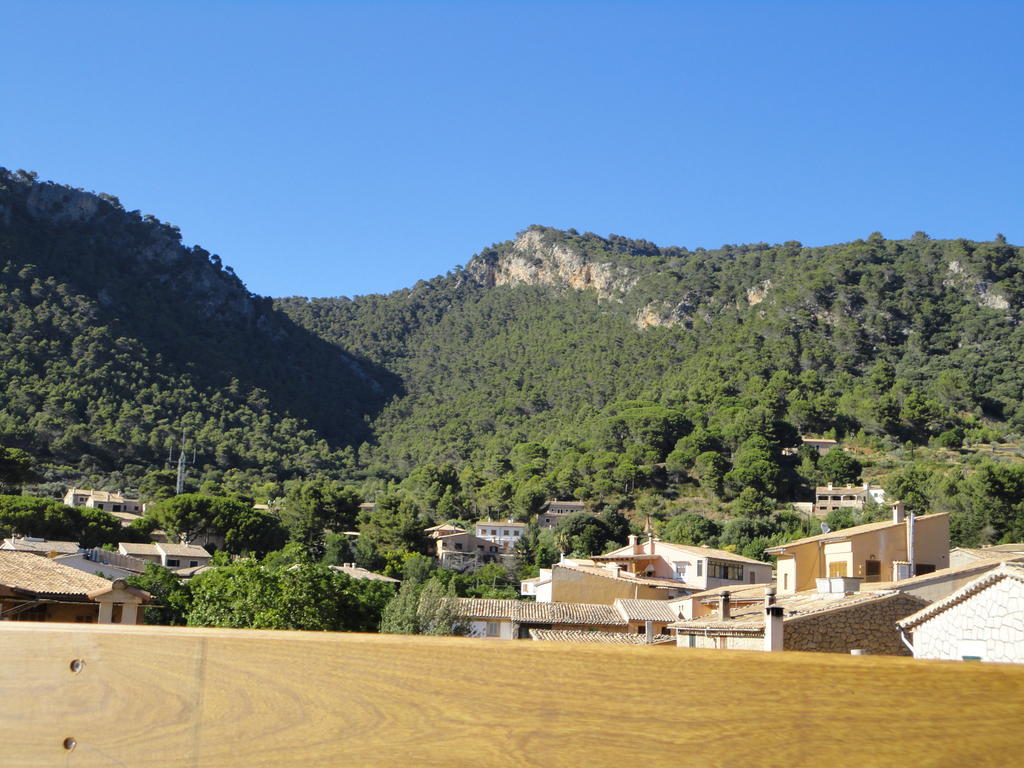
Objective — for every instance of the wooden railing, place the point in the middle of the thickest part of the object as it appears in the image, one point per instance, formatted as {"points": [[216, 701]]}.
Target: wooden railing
{"points": [[87, 695]]}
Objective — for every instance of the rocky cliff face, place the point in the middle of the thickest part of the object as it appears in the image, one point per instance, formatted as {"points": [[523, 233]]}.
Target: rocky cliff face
{"points": [[534, 260]]}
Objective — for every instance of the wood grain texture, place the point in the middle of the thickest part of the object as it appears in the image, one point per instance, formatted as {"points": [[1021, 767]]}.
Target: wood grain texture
{"points": [[170, 697]]}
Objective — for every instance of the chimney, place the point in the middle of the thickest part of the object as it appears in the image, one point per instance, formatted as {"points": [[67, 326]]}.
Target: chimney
{"points": [[769, 597], [651, 547], [867, 486], [649, 632], [897, 512], [773, 628], [723, 606], [632, 542], [830, 486]]}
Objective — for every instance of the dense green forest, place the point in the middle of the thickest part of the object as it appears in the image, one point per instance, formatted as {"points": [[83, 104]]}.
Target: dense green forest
{"points": [[660, 381]]}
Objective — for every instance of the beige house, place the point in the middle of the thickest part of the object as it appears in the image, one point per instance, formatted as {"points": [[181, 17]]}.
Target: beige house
{"points": [[984, 620], [834, 619], [697, 567], [829, 497], [169, 555], [105, 500], [46, 547], [583, 581], [464, 551], [889, 550], [554, 510], [34, 588]]}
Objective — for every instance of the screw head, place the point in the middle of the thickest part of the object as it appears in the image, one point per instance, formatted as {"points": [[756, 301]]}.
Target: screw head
{"points": [[70, 743], [76, 665]]}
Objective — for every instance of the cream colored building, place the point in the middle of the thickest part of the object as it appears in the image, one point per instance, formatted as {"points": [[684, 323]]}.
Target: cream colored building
{"points": [[885, 551], [699, 568], [168, 555], [105, 500], [984, 620], [829, 497], [503, 533], [555, 510]]}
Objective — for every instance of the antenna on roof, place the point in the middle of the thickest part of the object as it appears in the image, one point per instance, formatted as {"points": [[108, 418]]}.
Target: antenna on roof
{"points": [[825, 528]]}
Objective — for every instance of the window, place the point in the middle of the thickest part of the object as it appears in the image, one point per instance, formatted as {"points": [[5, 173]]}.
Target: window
{"points": [[785, 581], [727, 571], [515, 533], [872, 570], [492, 629], [922, 568], [505, 532], [115, 507], [458, 546], [700, 567], [752, 575], [193, 563], [173, 563], [836, 570], [680, 571]]}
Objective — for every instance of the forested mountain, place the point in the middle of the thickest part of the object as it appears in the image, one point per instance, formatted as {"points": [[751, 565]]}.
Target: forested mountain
{"points": [[556, 363], [544, 337], [117, 341]]}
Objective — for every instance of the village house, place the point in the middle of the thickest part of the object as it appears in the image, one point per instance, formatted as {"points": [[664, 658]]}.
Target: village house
{"points": [[836, 618], [464, 551], [696, 566], [102, 562], [983, 620], [168, 555], [36, 588], [444, 529], [105, 500], [555, 510], [45, 547], [579, 580], [890, 550], [830, 497], [965, 555], [606, 638], [503, 533]]}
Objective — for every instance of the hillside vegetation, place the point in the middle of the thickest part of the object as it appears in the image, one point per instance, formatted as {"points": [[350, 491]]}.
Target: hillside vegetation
{"points": [[555, 364]]}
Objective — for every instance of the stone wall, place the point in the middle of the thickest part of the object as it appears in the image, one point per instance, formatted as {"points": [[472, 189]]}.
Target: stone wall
{"points": [[989, 624], [870, 626]]}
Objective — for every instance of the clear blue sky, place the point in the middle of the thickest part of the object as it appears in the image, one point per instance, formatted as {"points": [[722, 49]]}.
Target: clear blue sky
{"points": [[328, 148]]}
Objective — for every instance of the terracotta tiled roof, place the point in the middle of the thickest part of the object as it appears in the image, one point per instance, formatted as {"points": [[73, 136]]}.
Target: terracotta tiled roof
{"points": [[1005, 571], [580, 636], [645, 610], [847, 533], [42, 576], [666, 550], [529, 612], [41, 546]]}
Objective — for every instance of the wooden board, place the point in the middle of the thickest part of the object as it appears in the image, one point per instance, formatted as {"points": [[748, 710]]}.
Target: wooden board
{"points": [[169, 697]]}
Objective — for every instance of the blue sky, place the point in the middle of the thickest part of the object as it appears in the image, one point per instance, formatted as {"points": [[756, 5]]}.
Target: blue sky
{"points": [[328, 148]]}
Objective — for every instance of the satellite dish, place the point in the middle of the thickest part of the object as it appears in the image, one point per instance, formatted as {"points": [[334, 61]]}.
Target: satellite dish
{"points": [[825, 528]]}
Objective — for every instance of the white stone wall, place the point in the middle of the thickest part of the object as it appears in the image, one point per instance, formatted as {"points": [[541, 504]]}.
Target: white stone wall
{"points": [[992, 619]]}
